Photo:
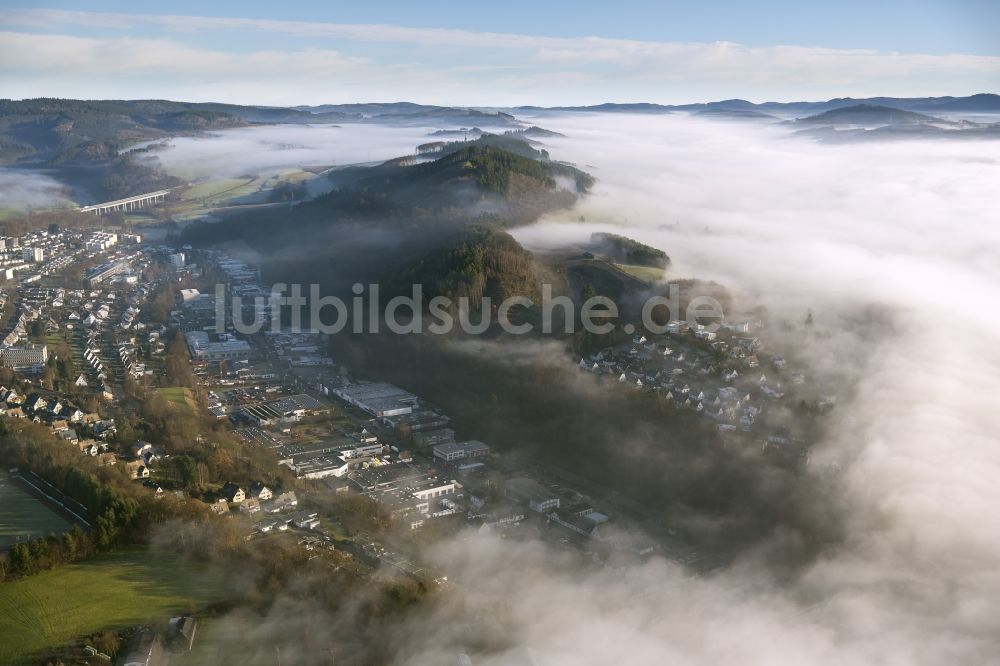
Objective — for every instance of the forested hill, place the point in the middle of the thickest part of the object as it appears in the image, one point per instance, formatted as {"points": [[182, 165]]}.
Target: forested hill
{"points": [[495, 169], [59, 131], [475, 262], [469, 181], [51, 130], [862, 114], [627, 251], [438, 223]]}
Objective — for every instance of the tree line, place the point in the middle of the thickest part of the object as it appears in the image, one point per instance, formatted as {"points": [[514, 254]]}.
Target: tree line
{"points": [[120, 512]]}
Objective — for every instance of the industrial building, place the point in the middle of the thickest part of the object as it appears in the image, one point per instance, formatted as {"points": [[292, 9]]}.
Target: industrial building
{"points": [[226, 348], [378, 399], [461, 450]]}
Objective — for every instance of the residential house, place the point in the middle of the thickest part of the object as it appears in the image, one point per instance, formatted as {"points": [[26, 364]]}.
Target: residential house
{"points": [[35, 403], [260, 492], [146, 451], [286, 500], [155, 487], [71, 414], [305, 519], [104, 428], [232, 493]]}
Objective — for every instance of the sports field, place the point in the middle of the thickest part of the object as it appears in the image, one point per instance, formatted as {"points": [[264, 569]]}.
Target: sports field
{"points": [[23, 517]]}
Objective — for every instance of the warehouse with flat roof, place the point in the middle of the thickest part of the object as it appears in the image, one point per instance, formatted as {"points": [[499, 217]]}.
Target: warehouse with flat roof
{"points": [[377, 398]]}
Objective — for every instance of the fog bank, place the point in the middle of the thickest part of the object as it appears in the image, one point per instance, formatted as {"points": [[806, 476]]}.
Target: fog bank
{"points": [[23, 189], [906, 231], [252, 150]]}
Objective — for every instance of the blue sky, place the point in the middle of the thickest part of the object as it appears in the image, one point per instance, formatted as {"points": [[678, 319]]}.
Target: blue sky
{"points": [[506, 53]]}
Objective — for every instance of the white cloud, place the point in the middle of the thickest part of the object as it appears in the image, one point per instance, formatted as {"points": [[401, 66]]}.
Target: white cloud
{"points": [[551, 69], [138, 56]]}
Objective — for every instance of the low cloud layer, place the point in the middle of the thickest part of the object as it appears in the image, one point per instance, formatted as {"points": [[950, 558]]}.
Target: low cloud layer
{"points": [[251, 150], [24, 190], [904, 231]]}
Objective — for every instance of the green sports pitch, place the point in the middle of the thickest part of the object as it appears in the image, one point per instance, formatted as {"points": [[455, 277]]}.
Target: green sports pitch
{"points": [[24, 517]]}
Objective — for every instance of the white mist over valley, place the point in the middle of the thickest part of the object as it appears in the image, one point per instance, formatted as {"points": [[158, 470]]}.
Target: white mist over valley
{"points": [[905, 229], [252, 150]]}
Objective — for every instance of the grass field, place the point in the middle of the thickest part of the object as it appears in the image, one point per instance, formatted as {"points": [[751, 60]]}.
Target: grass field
{"points": [[214, 189], [201, 198], [58, 606], [644, 273], [21, 515], [293, 176], [179, 396]]}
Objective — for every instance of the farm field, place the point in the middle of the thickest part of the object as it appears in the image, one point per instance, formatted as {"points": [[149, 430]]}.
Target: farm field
{"points": [[201, 198], [21, 515], [58, 606], [216, 189], [204, 196], [644, 273]]}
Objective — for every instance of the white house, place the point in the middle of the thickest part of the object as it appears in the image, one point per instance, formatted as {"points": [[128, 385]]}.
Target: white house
{"points": [[260, 492]]}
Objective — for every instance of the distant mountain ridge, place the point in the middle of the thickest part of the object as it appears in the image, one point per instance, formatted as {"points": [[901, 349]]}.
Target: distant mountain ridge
{"points": [[735, 114], [53, 130], [978, 103], [409, 113], [863, 114], [50, 130], [872, 122]]}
